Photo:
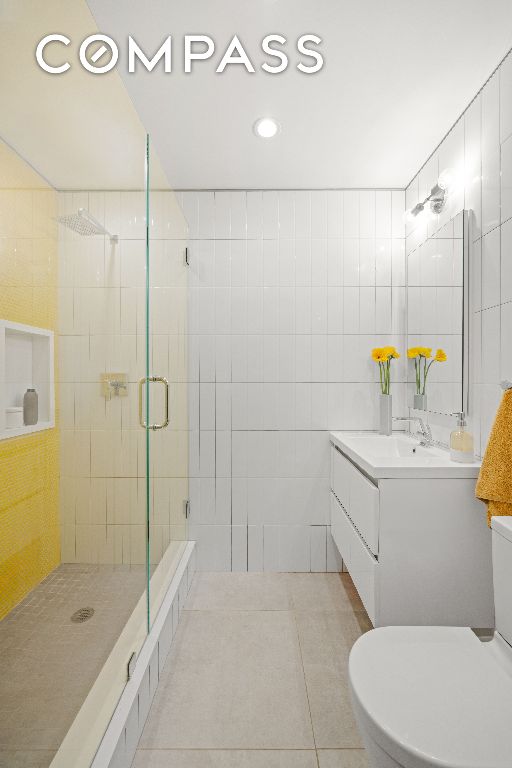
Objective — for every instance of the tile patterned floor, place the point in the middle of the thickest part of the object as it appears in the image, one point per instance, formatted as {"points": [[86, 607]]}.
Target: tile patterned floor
{"points": [[48, 663], [257, 676]]}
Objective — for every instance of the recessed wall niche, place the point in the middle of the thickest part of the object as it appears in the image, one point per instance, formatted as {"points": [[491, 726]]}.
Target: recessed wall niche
{"points": [[26, 360]]}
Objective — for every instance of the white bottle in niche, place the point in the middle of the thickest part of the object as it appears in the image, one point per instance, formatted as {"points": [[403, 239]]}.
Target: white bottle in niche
{"points": [[30, 407]]}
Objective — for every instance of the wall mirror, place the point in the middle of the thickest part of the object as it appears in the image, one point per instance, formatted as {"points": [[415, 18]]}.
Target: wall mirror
{"points": [[437, 309]]}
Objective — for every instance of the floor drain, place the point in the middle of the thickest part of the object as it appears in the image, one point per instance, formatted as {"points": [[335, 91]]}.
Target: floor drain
{"points": [[82, 615]]}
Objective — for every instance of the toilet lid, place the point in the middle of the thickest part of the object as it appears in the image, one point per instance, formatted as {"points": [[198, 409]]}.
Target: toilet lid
{"points": [[435, 696]]}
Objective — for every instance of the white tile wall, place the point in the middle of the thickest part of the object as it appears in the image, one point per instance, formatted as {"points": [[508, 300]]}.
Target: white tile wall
{"points": [[479, 152], [289, 291]]}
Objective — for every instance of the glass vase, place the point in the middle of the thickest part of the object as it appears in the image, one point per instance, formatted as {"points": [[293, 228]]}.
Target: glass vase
{"points": [[420, 402], [386, 414]]}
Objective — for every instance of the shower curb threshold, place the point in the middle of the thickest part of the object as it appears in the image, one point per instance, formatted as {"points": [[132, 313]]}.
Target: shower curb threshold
{"points": [[119, 743]]}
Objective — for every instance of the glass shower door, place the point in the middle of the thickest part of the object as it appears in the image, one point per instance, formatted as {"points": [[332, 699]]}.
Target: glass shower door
{"points": [[163, 390], [75, 275]]}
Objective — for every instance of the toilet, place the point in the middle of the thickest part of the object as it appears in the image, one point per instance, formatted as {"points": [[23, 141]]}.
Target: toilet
{"points": [[439, 696]]}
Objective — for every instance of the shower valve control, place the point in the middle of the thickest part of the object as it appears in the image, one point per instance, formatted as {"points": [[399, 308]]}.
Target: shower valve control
{"points": [[114, 385]]}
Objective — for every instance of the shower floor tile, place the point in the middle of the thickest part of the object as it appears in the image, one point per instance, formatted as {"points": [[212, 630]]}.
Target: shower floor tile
{"points": [[257, 676], [48, 663], [26, 758]]}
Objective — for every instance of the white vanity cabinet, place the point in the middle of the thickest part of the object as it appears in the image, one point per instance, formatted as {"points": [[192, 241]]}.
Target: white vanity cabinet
{"points": [[417, 547]]}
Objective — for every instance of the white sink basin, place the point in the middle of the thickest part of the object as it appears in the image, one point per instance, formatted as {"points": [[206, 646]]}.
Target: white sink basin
{"points": [[399, 456]]}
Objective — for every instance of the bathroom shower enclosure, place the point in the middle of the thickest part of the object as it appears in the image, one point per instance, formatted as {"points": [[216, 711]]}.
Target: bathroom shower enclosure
{"points": [[93, 518]]}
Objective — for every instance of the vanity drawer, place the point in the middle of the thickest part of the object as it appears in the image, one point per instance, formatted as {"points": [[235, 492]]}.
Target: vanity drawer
{"points": [[340, 529], [359, 562], [363, 508], [359, 496], [340, 476]]}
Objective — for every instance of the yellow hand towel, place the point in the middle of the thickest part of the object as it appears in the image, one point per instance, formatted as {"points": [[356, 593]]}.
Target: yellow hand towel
{"points": [[494, 485]]}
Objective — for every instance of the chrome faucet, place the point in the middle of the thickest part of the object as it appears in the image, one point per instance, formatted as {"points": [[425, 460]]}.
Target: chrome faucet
{"points": [[424, 430]]}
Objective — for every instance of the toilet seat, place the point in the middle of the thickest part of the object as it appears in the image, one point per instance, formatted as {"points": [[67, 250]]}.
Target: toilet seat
{"points": [[435, 696]]}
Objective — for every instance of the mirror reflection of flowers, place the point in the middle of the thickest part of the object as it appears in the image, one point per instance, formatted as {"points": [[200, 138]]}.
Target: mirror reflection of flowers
{"points": [[383, 356], [421, 355]]}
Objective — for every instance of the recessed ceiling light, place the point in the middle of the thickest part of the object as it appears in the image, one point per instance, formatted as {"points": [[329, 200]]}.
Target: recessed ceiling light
{"points": [[266, 127]]}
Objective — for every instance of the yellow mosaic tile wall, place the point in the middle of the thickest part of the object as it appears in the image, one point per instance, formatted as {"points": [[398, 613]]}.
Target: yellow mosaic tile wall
{"points": [[29, 466]]}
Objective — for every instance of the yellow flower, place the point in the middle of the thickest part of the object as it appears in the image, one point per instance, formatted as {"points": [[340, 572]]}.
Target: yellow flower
{"points": [[425, 351], [383, 354], [413, 352], [441, 356], [379, 355], [390, 352]]}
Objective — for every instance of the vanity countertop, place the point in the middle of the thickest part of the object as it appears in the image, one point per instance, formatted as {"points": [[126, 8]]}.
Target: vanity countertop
{"points": [[399, 456]]}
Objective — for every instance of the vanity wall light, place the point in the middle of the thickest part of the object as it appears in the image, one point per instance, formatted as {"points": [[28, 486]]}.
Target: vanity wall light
{"points": [[436, 198]]}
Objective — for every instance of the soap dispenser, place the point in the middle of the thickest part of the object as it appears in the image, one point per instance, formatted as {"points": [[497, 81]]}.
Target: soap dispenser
{"points": [[461, 441]]}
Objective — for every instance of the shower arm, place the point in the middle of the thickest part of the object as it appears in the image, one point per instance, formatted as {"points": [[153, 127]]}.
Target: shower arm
{"points": [[86, 215]]}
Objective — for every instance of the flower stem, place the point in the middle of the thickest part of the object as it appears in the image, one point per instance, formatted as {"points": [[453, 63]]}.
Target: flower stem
{"points": [[427, 368]]}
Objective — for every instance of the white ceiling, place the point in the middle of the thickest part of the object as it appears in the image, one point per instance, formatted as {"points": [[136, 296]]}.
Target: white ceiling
{"points": [[398, 73]]}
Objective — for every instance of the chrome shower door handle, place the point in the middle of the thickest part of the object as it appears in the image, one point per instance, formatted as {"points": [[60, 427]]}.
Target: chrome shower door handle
{"points": [[150, 379]]}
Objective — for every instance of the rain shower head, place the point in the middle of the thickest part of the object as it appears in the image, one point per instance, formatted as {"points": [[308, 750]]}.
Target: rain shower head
{"points": [[83, 223]]}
